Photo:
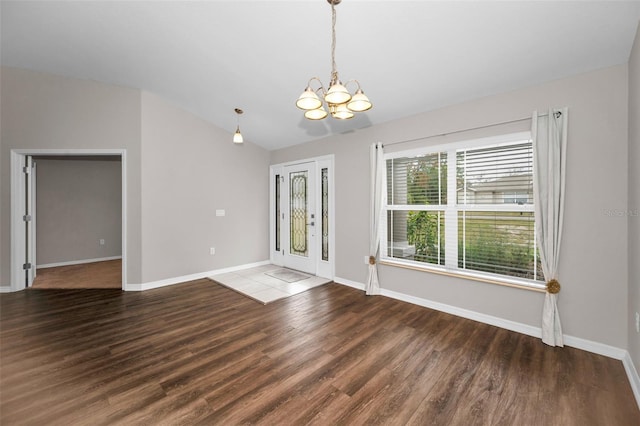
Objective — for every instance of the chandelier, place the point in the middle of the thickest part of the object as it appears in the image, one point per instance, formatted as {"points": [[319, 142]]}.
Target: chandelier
{"points": [[340, 103]]}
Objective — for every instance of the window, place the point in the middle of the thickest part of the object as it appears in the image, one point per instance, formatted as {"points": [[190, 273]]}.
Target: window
{"points": [[465, 208]]}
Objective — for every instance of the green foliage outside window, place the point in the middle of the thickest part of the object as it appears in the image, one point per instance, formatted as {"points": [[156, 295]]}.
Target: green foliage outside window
{"points": [[427, 185], [506, 236], [496, 236]]}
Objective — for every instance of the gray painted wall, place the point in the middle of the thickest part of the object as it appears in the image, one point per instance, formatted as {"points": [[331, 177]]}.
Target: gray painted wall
{"points": [[593, 268], [79, 202], [180, 169], [44, 111], [190, 169], [634, 198]]}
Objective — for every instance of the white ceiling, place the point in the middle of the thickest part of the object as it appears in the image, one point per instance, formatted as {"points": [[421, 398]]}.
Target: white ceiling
{"points": [[410, 56]]}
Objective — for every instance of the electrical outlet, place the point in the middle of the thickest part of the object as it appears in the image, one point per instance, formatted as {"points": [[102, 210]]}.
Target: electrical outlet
{"points": [[101, 241], [212, 251], [637, 322]]}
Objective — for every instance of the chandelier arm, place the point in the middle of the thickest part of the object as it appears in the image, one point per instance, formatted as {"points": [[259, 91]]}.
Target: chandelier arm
{"points": [[353, 80], [319, 82]]}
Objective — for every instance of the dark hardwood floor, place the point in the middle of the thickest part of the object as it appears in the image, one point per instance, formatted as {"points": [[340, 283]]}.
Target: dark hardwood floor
{"points": [[198, 353]]}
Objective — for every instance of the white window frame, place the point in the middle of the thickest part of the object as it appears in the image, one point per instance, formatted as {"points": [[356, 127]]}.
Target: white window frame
{"points": [[451, 211]]}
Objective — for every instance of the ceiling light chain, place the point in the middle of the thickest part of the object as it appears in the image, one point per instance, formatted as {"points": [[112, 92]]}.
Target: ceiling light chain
{"points": [[341, 104], [334, 67]]}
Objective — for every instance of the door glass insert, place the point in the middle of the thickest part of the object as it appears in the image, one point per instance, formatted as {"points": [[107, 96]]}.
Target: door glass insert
{"points": [[299, 206], [325, 214]]}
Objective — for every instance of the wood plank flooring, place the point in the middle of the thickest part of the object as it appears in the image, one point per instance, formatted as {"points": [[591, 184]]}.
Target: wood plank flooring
{"points": [[106, 274], [199, 353]]}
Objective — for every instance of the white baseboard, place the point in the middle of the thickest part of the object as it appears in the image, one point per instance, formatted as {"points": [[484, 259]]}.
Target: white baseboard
{"points": [[595, 347], [77, 262], [632, 374], [465, 313], [349, 283], [575, 342], [191, 277], [5, 289]]}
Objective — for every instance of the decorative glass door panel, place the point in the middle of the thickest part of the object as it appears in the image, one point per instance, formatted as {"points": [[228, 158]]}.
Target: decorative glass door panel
{"points": [[325, 213], [300, 220], [299, 210]]}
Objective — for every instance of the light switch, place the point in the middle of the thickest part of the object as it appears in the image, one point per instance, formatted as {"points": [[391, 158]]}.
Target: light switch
{"points": [[220, 212]]}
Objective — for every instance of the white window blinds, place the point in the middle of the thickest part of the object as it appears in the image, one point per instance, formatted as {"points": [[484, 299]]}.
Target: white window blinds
{"points": [[467, 208]]}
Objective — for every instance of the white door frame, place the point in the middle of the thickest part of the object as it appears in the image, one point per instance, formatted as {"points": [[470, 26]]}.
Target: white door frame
{"points": [[30, 178], [325, 269], [18, 235]]}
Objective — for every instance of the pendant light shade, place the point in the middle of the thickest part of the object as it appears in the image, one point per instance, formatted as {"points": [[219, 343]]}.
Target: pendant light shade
{"points": [[359, 102], [338, 100], [337, 94], [308, 100], [316, 114], [237, 136], [341, 112]]}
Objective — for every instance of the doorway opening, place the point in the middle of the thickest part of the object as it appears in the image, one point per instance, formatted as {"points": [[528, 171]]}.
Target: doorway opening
{"points": [[301, 218], [81, 197]]}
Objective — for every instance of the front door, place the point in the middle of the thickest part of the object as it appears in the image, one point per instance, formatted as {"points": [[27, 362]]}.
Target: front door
{"points": [[297, 206]]}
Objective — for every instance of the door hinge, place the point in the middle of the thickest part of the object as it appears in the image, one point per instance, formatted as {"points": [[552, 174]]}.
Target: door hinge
{"points": [[26, 170], [26, 266], [26, 218]]}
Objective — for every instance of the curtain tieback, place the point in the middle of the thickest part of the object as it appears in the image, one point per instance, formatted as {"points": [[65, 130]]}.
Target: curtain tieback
{"points": [[553, 286], [372, 260]]}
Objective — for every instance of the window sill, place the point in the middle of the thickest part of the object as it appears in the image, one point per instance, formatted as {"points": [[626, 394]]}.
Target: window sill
{"points": [[489, 279]]}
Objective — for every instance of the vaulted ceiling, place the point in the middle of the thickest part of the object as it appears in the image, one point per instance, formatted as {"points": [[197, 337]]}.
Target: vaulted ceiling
{"points": [[210, 57]]}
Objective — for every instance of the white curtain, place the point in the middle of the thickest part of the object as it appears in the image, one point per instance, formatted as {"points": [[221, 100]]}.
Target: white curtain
{"points": [[377, 195], [549, 135]]}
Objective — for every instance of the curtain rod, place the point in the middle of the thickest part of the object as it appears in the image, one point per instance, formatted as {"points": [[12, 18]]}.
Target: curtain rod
{"points": [[557, 114]]}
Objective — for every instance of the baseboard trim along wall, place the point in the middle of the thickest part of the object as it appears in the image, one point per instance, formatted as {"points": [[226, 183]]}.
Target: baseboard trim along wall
{"points": [[185, 278], [575, 342], [77, 262], [5, 289], [632, 374]]}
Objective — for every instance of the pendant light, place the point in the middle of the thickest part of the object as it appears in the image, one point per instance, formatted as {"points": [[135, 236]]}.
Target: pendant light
{"points": [[237, 136], [339, 101]]}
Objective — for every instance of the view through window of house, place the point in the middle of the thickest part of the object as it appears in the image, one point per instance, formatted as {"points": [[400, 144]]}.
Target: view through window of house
{"points": [[465, 208]]}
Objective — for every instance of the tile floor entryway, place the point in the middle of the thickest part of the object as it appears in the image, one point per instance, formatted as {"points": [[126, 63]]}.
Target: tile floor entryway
{"points": [[256, 284]]}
